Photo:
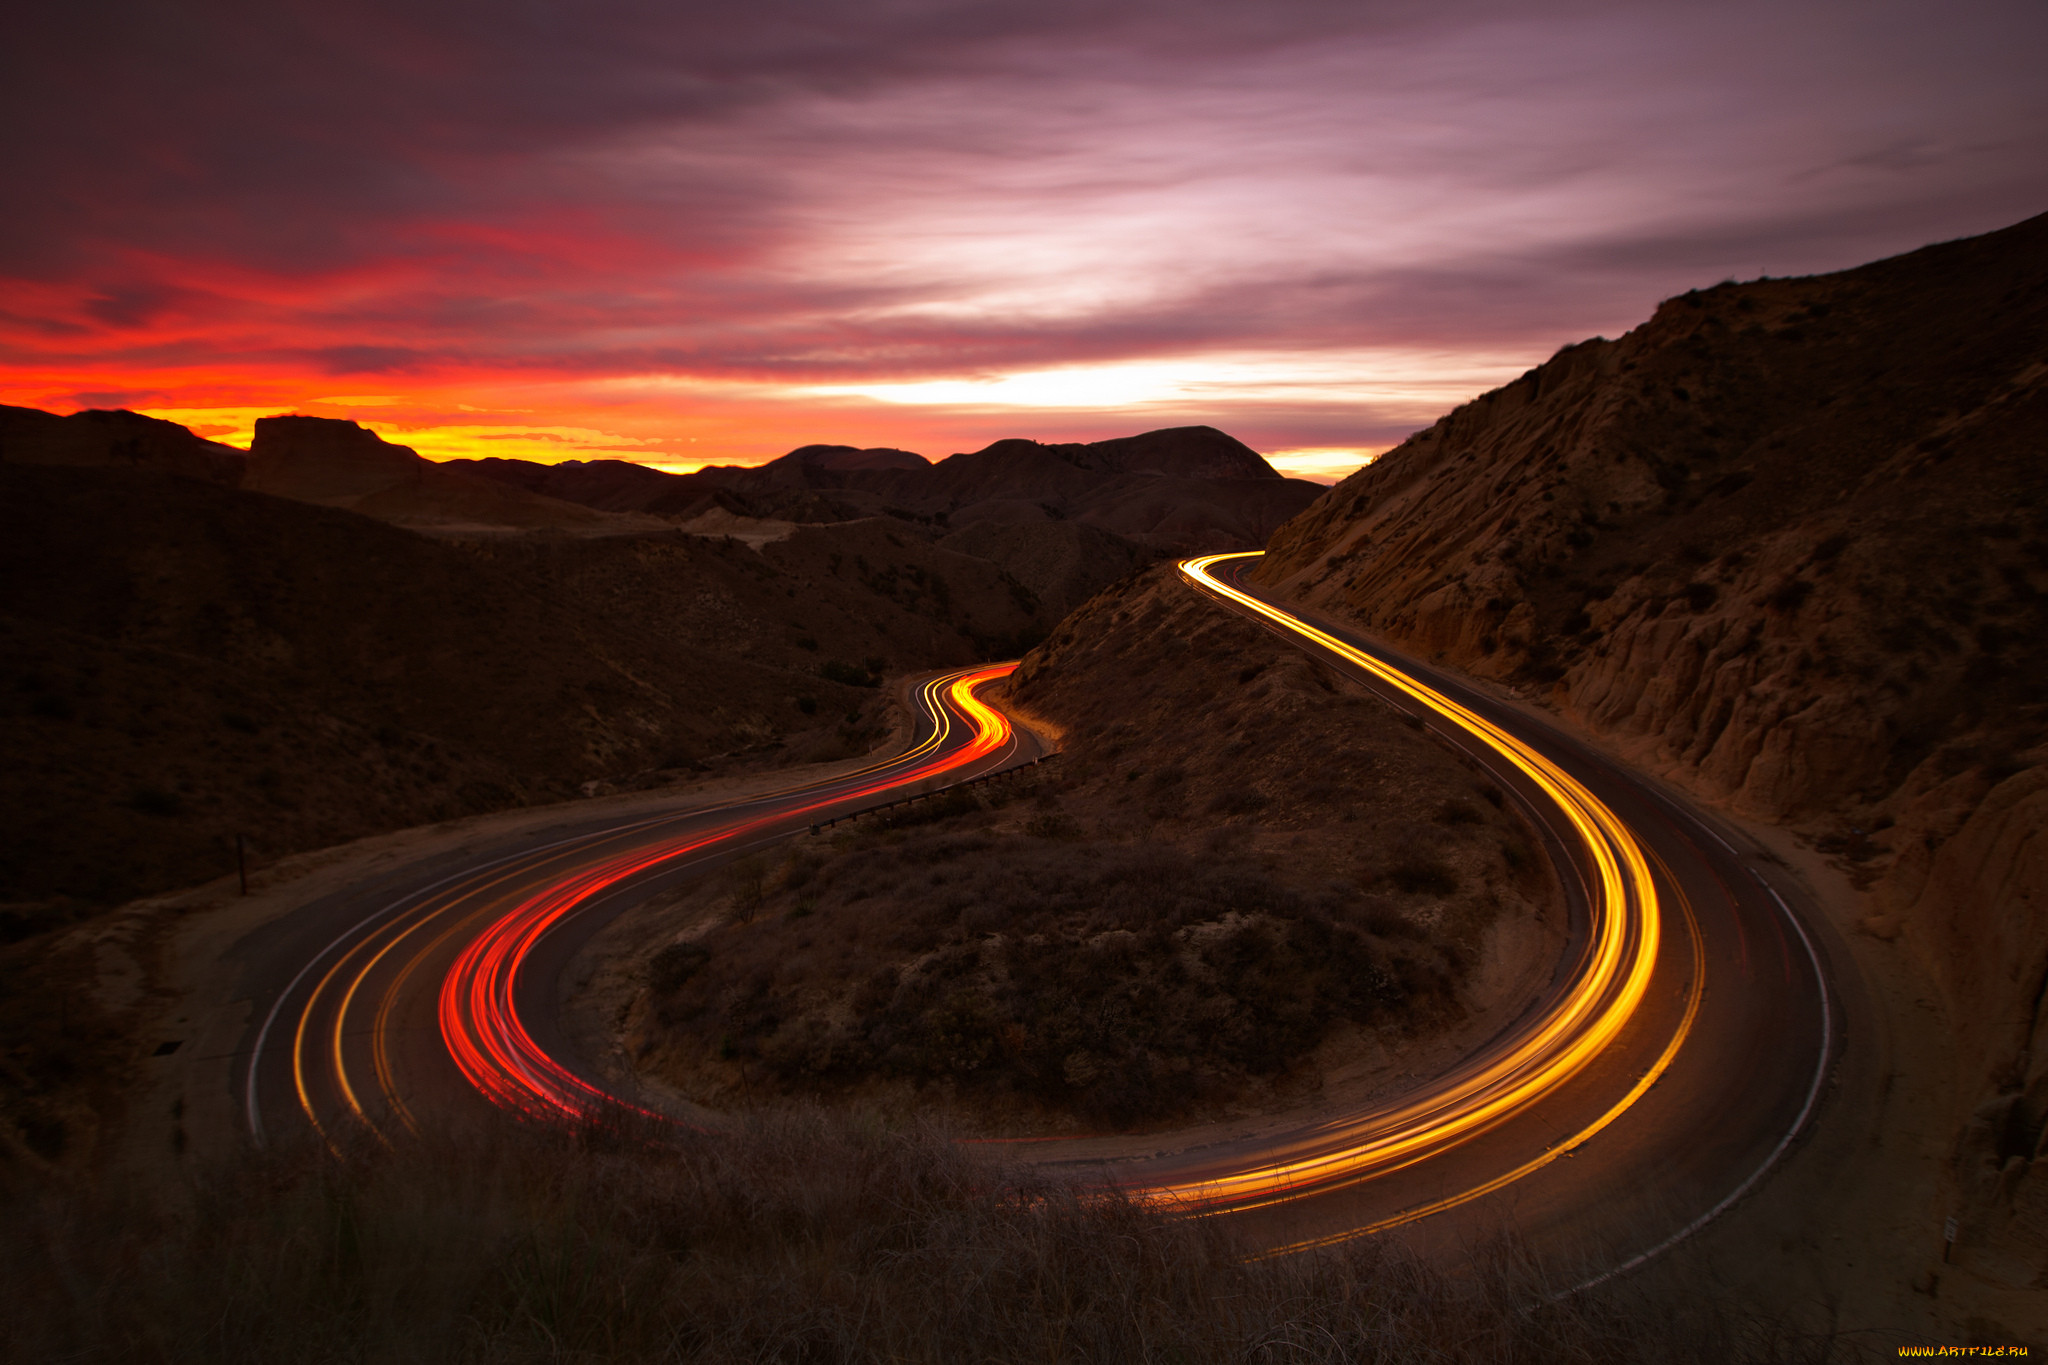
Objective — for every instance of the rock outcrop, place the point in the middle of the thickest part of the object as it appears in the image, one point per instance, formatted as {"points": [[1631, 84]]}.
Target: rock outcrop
{"points": [[319, 459], [333, 463], [1788, 542]]}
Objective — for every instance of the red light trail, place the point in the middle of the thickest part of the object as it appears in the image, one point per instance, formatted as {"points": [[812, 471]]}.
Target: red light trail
{"points": [[1624, 1001]]}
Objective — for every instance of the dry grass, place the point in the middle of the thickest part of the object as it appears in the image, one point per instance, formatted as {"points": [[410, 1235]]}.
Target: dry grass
{"points": [[67, 1057], [801, 1240]]}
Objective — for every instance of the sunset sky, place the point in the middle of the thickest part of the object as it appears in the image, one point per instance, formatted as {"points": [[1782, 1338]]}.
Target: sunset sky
{"points": [[688, 233]]}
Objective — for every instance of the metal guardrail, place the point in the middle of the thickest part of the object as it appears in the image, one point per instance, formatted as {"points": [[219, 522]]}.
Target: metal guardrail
{"points": [[818, 826]]}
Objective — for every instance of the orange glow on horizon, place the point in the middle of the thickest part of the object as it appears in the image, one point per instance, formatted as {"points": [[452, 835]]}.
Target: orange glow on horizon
{"points": [[1324, 464], [682, 422]]}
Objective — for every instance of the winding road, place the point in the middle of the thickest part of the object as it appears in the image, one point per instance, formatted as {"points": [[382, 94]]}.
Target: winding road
{"points": [[1682, 1043]]}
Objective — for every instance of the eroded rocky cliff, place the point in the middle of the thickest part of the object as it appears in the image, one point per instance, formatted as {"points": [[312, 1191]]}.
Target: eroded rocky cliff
{"points": [[1787, 541]]}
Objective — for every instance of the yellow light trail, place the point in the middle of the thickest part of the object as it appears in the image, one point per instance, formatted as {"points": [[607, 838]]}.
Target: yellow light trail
{"points": [[1611, 980], [1624, 934], [1502, 1181]]}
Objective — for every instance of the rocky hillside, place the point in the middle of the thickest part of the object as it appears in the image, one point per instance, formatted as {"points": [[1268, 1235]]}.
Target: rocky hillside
{"points": [[1242, 881], [185, 662], [1787, 540]]}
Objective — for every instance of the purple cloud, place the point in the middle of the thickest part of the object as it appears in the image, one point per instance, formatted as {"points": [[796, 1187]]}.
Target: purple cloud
{"points": [[811, 193]]}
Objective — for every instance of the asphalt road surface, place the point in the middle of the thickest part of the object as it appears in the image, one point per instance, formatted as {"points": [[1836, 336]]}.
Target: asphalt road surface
{"points": [[1681, 1046], [431, 991]]}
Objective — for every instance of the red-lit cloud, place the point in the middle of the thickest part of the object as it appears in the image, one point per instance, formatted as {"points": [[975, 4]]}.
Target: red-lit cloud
{"points": [[684, 233]]}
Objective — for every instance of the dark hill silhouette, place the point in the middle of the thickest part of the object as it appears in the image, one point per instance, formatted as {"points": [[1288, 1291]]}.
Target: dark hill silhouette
{"points": [[318, 459], [1178, 452], [1220, 493], [125, 439], [341, 464], [1788, 540], [1179, 490], [1045, 495], [1074, 517], [186, 662], [850, 457], [607, 485], [308, 459]]}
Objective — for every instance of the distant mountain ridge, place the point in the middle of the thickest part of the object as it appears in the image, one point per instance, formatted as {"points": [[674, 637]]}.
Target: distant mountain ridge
{"points": [[1064, 520], [319, 460], [607, 485], [126, 439], [850, 457], [1176, 490]]}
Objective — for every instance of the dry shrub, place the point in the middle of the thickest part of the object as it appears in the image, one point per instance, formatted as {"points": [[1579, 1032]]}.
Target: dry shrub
{"points": [[1419, 874], [801, 1239], [1120, 983]]}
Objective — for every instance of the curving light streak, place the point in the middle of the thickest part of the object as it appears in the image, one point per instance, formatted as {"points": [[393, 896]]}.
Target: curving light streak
{"points": [[1530, 1167], [480, 1023], [479, 1014], [1596, 1007], [468, 902]]}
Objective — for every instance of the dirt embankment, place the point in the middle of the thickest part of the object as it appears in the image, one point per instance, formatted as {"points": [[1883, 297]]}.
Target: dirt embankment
{"points": [[1240, 879], [1788, 542]]}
